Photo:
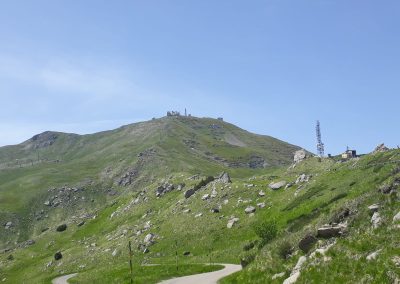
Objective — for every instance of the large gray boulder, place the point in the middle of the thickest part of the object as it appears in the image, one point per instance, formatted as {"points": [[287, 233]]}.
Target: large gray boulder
{"points": [[328, 231], [224, 178], [307, 242], [277, 185], [376, 220], [250, 209]]}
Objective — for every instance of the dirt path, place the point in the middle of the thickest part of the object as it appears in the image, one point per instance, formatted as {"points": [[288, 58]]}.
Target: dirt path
{"points": [[205, 278], [63, 279]]}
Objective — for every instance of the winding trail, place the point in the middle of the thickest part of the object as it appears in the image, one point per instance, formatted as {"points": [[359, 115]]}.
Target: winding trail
{"points": [[206, 278], [202, 278], [63, 279]]}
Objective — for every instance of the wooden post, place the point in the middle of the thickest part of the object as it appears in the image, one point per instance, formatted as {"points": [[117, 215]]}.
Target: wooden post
{"points": [[130, 260], [176, 255]]}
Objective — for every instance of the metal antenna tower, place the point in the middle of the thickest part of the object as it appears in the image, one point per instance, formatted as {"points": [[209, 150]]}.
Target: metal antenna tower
{"points": [[320, 145]]}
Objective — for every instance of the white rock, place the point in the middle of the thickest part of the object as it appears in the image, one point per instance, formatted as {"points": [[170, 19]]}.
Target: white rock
{"points": [[396, 218], [115, 253], [278, 275], [373, 208], [250, 209], [261, 205], [292, 279], [198, 215], [261, 193], [373, 255], [232, 222], [149, 238], [376, 220], [277, 185], [205, 197]]}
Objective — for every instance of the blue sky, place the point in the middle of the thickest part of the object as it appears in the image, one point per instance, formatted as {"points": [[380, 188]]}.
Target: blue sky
{"points": [[271, 67]]}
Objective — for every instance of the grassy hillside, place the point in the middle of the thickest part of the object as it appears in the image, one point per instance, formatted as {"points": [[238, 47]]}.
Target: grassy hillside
{"points": [[129, 185]]}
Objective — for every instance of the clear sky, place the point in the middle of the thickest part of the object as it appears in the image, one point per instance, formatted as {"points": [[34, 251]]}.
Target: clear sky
{"points": [[272, 67]]}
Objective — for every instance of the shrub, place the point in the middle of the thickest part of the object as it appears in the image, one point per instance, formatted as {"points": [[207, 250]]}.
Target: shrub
{"points": [[266, 231], [285, 249], [249, 245], [246, 259], [204, 182]]}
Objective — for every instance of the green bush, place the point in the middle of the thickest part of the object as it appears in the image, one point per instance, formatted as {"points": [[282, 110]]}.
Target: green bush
{"points": [[266, 231], [285, 249], [247, 258]]}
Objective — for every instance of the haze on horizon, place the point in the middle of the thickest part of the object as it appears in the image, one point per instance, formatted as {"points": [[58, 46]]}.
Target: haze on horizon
{"points": [[270, 67]]}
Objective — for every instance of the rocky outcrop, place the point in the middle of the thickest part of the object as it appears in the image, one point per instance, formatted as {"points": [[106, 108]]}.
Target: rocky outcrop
{"points": [[380, 148], [299, 156], [224, 178], [163, 189]]}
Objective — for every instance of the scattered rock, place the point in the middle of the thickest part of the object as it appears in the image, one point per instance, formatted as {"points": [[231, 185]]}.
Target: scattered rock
{"points": [[81, 224], [58, 255], [307, 243], [376, 220], [61, 228], [396, 218], [186, 211], [8, 225], [374, 255], [322, 251], [373, 208], [149, 239], [296, 271], [205, 197], [277, 185], [198, 215], [250, 209], [232, 222], [146, 250], [278, 275], [261, 205], [261, 193], [115, 253], [214, 210], [163, 189], [47, 203], [303, 178]]}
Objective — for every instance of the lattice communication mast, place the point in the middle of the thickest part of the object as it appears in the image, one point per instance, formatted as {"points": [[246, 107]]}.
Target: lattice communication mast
{"points": [[320, 145]]}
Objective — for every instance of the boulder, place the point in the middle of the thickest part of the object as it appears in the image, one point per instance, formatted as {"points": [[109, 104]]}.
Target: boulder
{"points": [[224, 178], [277, 185], [250, 209], [198, 215], [376, 220], [61, 228], [58, 255], [329, 231], [261, 193], [115, 253], [186, 211], [214, 210], [80, 224], [299, 156], [189, 192], [307, 242], [149, 239], [232, 222]]}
